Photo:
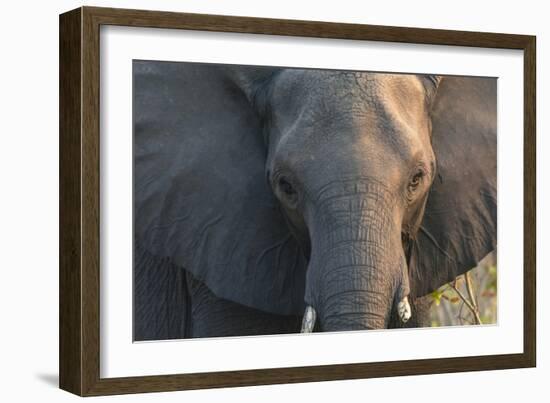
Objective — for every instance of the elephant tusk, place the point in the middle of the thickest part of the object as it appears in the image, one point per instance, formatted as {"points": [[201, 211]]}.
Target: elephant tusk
{"points": [[403, 307], [404, 310], [309, 319]]}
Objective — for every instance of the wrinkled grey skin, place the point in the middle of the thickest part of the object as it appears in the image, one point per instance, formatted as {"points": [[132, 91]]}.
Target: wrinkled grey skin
{"points": [[351, 145], [280, 188]]}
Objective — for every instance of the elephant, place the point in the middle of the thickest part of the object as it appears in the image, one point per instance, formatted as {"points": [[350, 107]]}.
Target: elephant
{"points": [[272, 200]]}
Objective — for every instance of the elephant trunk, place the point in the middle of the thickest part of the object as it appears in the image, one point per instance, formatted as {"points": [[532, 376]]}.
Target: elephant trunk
{"points": [[357, 287], [357, 268]]}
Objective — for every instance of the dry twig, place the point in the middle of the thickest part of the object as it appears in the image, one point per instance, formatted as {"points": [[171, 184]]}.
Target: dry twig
{"points": [[469, 302]]}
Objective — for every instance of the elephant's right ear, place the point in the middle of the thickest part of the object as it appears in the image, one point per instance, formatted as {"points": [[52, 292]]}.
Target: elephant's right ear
{"points": [[200, 194], [459, 226]]}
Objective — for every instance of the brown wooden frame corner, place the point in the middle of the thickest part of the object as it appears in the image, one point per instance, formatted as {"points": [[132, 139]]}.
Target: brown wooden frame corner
{"points": [[79, 200]]}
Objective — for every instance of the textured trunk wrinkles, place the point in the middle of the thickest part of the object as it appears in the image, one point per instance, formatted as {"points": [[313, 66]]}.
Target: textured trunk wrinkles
{"points": [[355, 264]]}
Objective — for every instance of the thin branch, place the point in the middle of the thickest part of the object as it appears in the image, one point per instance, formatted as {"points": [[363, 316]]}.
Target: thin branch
{"points": [[466, 302], [470, 289]]}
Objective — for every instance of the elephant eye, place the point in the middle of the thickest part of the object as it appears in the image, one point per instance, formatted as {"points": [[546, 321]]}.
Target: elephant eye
{"points": [[417, 178], [287, 192], [415, 181], [286, 187]]}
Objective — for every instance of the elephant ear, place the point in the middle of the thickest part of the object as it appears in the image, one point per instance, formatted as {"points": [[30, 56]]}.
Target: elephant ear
{"points": [[459, 227], [200, 195]]}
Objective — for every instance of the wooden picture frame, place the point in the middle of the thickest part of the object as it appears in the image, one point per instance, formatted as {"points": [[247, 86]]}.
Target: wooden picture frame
{"points": [[79, 201]]}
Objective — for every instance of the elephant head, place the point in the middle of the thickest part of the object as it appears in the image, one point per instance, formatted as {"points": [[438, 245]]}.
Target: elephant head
{"points": [[346, 193]]}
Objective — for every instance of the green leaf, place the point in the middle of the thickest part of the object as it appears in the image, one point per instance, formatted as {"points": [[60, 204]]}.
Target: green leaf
{"points": [[436, 296]]}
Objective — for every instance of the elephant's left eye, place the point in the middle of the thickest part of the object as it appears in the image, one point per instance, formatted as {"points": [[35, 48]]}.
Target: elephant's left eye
{"points": [[286, 187], [287, 192], [415, 181]]}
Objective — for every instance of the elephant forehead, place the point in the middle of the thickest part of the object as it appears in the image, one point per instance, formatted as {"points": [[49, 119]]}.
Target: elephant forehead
{"points": [[331, 104], [327, 90], [354, 147]]}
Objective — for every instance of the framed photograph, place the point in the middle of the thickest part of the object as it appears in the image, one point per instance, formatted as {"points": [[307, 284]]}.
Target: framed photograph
{"points": [[249, 201]]}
